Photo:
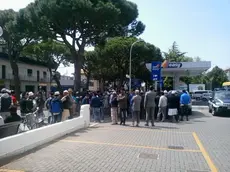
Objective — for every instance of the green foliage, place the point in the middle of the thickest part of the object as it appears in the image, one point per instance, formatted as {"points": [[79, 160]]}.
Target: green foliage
{"points": [[50, 52], [112, 60], [16, 35], [84, 23], [216, 77], [174, 54], [168, 82]]}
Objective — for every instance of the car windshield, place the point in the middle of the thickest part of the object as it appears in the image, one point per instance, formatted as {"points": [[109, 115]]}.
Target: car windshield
{"points": [[222, 95]]}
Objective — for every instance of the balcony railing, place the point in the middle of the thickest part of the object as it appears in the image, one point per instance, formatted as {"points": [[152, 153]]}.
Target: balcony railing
{"points": [[25, 78], [44, 80]]}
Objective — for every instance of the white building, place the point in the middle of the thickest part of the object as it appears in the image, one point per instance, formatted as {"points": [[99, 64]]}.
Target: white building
{"points": [[68, 81], [228, 73], [32, 75]]}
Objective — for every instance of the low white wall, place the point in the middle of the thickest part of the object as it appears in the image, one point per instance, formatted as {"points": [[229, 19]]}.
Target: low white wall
{"points": [[23, 142]]}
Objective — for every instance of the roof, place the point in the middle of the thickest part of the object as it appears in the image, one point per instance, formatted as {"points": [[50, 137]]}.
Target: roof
{"points": [[182, 68], [26, 60], [227, 70]]}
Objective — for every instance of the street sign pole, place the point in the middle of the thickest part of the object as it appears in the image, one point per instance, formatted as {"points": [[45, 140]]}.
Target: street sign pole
{"points": [[156, 73]]}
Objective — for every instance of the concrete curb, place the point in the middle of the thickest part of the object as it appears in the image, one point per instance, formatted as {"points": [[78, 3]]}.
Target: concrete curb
{"points": [[21, 143]]}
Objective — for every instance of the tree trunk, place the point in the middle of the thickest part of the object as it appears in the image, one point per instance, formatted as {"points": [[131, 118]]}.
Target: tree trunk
{"points": [[59, 87], [101, 85], [51, 76], [17, 83], [77, 73]]}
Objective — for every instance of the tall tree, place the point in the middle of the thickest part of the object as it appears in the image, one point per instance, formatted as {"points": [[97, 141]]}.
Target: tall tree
{"points": [[51, 53], [16, 35], [80, 23], [175, 55], [112, 60], [216, 77]]}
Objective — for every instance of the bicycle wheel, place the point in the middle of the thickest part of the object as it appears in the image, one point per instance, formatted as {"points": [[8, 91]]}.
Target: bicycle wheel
{"points": [[23, 128]]}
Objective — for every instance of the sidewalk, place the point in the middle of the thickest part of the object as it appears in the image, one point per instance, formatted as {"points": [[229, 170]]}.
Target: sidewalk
{"points": [[103, 147]]}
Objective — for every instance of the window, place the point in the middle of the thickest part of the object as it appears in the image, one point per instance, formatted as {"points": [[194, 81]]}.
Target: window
{"points": [[38, 76], [30, 88], [44, 75], [3, 72], [91, 84], [29, 72]]}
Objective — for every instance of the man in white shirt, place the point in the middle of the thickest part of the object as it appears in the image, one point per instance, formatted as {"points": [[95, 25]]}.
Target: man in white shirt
{"points": [[163, 102]]}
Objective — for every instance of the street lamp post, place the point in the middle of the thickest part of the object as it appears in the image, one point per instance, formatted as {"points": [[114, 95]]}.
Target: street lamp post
{"points": [[130, 64]]}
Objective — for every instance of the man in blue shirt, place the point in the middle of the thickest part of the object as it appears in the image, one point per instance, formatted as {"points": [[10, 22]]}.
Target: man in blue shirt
{"points": [[184, 103]]}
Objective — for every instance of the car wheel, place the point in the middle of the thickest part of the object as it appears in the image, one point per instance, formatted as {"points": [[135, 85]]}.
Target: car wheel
{"points": [[213, 111], [209, 109]]}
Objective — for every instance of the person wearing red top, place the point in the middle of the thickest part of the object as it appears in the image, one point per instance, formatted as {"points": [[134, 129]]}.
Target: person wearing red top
{"points": [[13, 97], [13, 109]]}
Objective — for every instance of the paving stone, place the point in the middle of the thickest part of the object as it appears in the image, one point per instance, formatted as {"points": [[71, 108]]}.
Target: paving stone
{"points": [[117, 148]]}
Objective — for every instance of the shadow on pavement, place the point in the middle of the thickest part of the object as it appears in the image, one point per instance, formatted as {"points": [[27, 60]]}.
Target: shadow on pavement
{"points": [[223, 116], [4, 161], [196, 117]]}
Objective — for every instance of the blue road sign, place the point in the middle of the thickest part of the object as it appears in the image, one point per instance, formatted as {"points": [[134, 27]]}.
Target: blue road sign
{"points": [[156, 71]]}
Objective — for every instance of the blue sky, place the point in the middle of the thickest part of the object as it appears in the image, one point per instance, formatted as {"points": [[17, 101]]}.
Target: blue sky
{"points": [[200, 27]]}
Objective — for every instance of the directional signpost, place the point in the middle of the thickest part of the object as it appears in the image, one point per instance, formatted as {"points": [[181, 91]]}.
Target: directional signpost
{"points": [[156, 72]]}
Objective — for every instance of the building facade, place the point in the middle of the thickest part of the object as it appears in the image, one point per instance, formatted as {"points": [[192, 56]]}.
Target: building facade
{"points": [[228, 73], [32, 76], [68, 82]]}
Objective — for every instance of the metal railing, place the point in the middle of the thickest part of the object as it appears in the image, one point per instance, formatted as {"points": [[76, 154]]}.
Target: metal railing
{"points": [[10, 76]]}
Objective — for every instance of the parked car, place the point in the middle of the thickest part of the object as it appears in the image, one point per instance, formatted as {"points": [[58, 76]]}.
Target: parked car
{"points": [[198, 94], [206, 96], [219, 103]]}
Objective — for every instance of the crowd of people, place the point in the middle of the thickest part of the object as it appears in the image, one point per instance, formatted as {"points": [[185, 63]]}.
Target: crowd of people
{"points": [[150, 106], [60, 106], [120, 105]]}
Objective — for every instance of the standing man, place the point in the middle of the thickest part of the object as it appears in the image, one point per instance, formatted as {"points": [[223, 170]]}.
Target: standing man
{"points": [[72, 104], [114, 108], [5, 103], [149, 105], [142, 113], [95, 104], [122, 103], [130, 103], [136, 108], [184, 103], [66, 104], [163, 102]]}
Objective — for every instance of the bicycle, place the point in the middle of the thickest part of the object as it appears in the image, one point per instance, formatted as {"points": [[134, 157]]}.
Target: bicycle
{"points": [[29, 122]]}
